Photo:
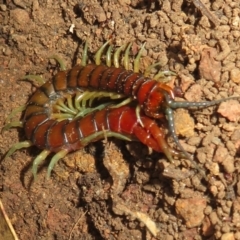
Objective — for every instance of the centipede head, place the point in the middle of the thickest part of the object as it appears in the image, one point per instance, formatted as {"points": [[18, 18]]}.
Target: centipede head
{"points": [[155, 102]]}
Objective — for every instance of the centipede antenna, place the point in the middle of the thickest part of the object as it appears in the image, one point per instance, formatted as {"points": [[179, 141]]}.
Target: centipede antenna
{"points": [[18, 146], [169, 115], [99, 53], [109, 56], [85, 55], [116, 56], [33, 79], [126, 57], [136, 63], [180, 104], [39, 159], [11, 125], [60, 62], [15, 111], [149, 68], [54, 160]]}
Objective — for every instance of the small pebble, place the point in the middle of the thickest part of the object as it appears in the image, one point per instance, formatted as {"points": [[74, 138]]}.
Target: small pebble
{"points": [[3, 7], [191, 210], [228, 236]]}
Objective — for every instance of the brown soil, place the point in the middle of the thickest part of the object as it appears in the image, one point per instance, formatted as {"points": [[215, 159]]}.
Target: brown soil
{"points": [[119, 190]]}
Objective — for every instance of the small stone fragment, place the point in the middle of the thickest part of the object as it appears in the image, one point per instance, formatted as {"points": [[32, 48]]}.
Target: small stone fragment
{"points": [[20, 18], [235, 75], [228, 236], [209, 68], [230, 110], [228, 164], [220, 154], [191, 210], [184, 123], [3, 7]]}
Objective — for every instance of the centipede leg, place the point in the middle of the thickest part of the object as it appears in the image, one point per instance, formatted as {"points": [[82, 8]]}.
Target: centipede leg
{"points": [[11, 125], [84, 55], [89, 110], [138, 110], [18, 146], [82, 104], [81, 98], [15, 111], [109, 56], [61, 106], [60, 62], [124, 102], [126, 57], [104, 133], [116, 56], [64, 152], [54, 160], [33, 79], [99, 53], [149, 68], [163, 74], [14, 123], [41, 157], [136, 63]]}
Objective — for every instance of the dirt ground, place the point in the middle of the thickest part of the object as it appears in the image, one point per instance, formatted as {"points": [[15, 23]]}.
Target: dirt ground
{"points": [[115, 189]]}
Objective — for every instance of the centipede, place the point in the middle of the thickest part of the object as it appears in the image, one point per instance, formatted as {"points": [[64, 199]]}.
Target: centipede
{"points": [[59, 117]]}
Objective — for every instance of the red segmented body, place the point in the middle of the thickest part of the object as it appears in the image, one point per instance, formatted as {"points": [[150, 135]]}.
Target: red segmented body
{"points": [[50, 134], [148, 92], [55, 136]]}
